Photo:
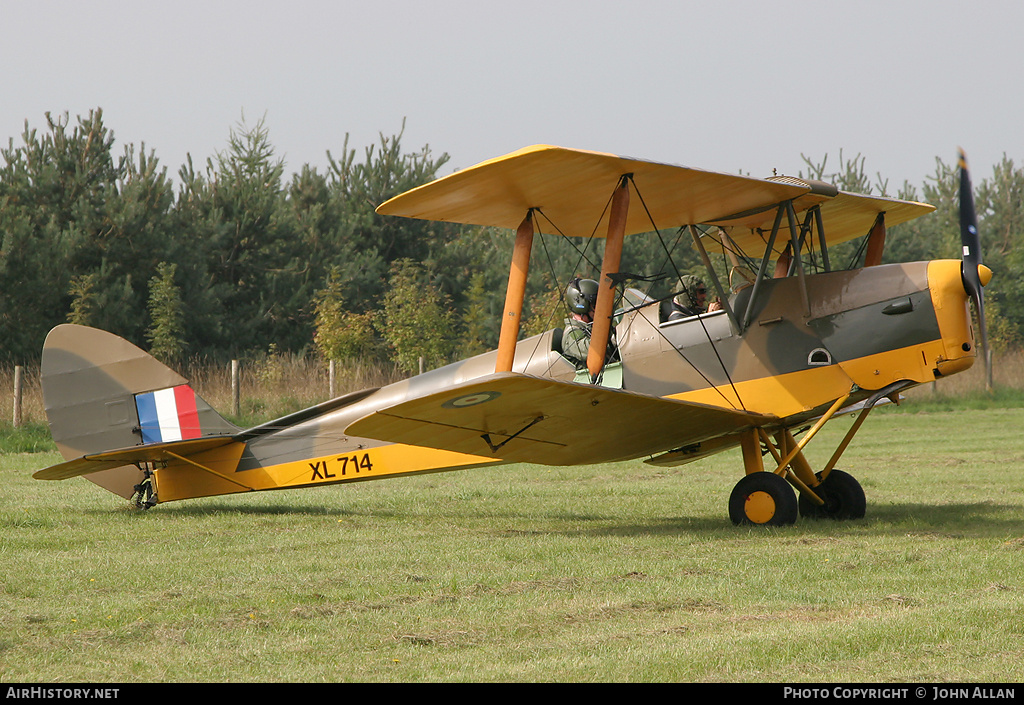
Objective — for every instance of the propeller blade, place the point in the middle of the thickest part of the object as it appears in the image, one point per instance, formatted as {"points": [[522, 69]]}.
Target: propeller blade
{"points": [[971, 242], [969, 230]]}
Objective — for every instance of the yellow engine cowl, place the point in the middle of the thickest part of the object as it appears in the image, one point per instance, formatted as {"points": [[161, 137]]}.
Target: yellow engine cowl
{"points": [[953, 314]]}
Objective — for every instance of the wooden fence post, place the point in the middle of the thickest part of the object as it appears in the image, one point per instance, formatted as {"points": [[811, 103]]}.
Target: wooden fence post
{"points": [[235, 391], [17, 395]]}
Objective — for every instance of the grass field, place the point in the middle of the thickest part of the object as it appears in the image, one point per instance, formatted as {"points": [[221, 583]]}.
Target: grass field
{"points": [[617, 573]]}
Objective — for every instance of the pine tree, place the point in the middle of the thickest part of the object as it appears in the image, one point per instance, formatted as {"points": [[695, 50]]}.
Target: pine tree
{"points": [[83, 303], [167, 316]]}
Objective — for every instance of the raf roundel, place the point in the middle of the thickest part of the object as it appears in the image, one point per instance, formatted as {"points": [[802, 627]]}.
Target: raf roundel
{"points": [[470, 400]]}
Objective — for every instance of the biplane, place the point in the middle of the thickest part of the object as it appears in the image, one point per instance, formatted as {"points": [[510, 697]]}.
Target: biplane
{"points": [[795, 344]]}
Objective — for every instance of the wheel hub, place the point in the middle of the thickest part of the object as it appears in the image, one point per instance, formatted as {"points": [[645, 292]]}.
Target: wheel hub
{"points": [[759, 507]]}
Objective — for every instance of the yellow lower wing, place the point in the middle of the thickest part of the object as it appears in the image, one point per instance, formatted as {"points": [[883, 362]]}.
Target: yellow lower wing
{"points": [[518, 418]]}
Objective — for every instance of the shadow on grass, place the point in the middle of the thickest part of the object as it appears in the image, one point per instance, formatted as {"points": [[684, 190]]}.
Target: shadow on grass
{"points": [[181, 510], [954, 520], [968, 519]]}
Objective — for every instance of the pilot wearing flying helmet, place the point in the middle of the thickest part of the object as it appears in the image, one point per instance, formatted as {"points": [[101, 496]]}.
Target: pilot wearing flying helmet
{"points": [[580, 298], [692, 300]]}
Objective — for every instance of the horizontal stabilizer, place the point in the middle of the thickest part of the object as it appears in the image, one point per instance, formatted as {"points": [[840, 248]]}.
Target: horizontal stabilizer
{"points": [[157, 453], [519, 418]]}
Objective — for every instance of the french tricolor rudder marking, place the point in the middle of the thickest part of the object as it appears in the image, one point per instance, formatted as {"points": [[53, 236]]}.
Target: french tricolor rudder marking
{"points": [[168, 415]]}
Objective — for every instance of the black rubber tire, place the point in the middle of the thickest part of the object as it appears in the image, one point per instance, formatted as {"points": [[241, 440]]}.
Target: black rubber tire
{"points": [[763, 499], [844, 498]]}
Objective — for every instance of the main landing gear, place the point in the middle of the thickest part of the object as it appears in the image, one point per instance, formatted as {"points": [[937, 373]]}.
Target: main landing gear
{"points": [[769, 499], [145, 492]]}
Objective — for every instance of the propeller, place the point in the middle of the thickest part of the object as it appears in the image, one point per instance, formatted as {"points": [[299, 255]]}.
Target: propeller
{"points": [[971, 269]]}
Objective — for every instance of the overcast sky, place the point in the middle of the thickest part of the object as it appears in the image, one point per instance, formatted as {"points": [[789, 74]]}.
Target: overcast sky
{"points": [[733, 86]]}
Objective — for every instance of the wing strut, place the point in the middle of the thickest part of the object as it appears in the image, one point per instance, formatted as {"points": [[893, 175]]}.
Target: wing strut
{"points": [[798, 258], [714, 278], [748, 313], [876, 242], [514, 295], [820, 222], [606, 293]]}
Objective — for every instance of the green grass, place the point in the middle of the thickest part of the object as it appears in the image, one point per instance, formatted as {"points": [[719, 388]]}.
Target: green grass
{"points": [[618, 572], [923, 399], [30, 437]]}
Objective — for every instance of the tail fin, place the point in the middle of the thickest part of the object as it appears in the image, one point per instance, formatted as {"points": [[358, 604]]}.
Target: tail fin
{"points": [[103, 393]]}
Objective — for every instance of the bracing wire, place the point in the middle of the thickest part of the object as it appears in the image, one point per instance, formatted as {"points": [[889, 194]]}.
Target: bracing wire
{"points": [[714, 347], [535, 212], [538, 213]]}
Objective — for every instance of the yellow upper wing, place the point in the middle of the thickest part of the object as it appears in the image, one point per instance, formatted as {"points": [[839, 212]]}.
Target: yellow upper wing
{"points": [[571, 188], [844, 216], [519, 418]]}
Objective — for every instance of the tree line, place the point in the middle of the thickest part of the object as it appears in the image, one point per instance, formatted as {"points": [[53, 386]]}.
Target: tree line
{"points": [[236, 257]]}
